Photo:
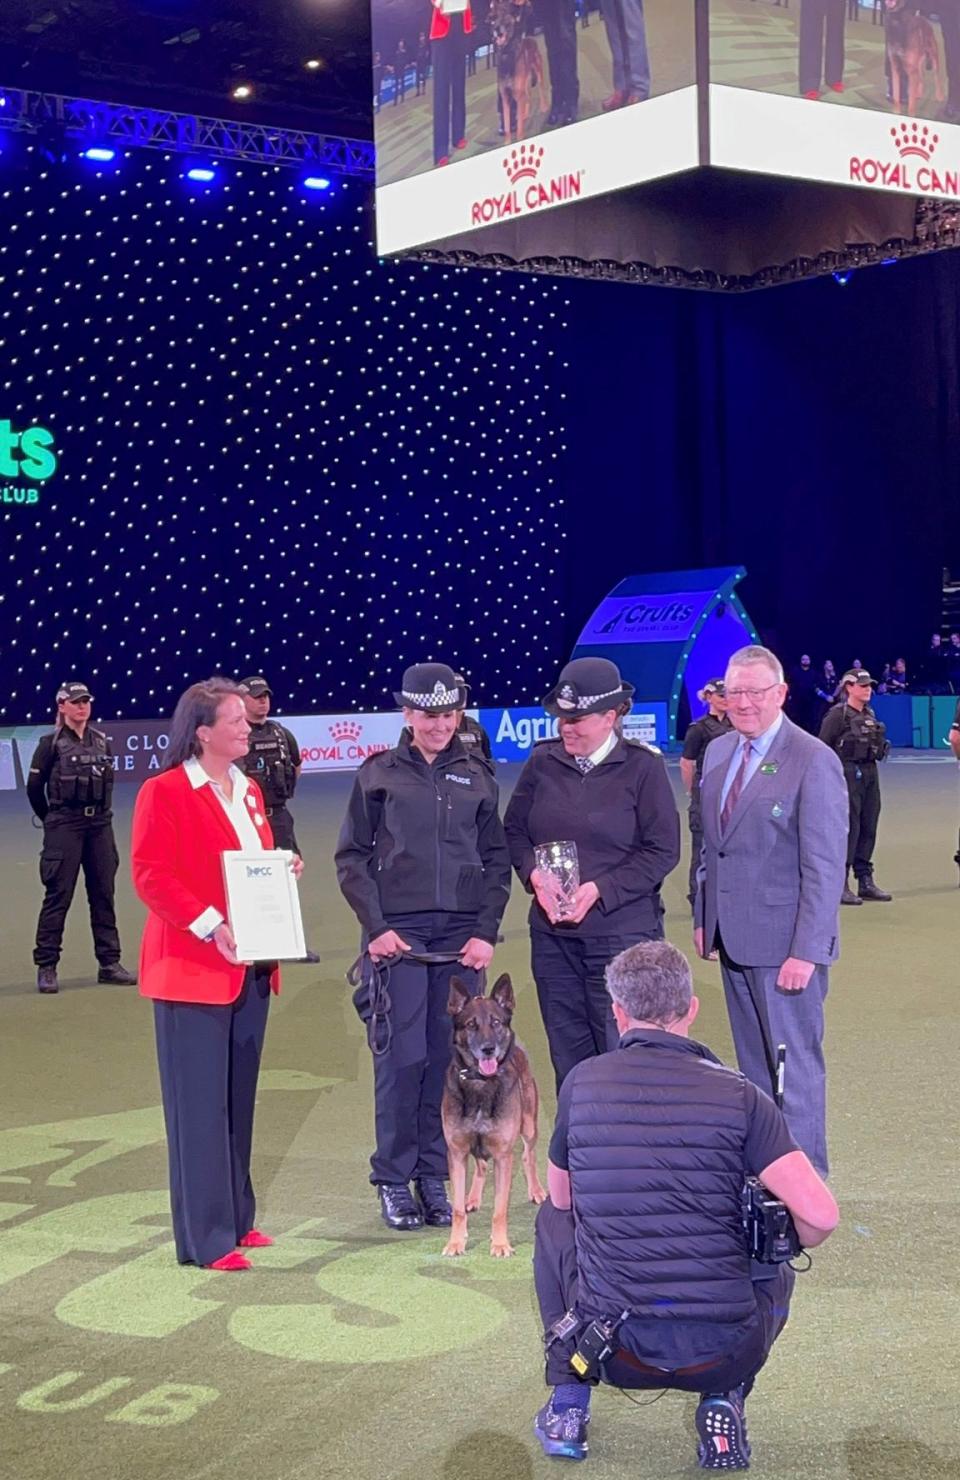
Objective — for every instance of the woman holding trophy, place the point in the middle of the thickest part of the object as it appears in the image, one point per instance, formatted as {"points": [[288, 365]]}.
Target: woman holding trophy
{"points": [[593, 831]]}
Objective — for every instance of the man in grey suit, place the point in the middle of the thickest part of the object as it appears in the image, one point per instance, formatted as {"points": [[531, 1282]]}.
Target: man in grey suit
{"points": [[775, 819]]}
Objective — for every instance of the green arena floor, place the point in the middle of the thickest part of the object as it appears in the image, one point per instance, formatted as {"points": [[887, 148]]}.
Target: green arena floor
{"points": [[351, 1352]]}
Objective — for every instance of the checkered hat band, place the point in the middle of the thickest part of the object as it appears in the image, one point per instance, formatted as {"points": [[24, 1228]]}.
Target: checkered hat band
{"points": [[588, 699], [439, 699]]}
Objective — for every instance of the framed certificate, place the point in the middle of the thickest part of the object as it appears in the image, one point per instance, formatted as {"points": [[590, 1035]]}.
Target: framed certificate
{"points": [[263, 905]]}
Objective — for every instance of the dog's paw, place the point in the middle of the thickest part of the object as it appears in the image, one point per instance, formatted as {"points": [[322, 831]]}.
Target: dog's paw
{"points": [[454, 1248], [501, 1250], [537, 1195], [472, 1205]]}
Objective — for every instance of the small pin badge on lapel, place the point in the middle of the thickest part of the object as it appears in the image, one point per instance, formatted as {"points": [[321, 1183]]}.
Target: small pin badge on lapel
{"points": [[776, 810], [251, 800], [258, 819], [769, 768]]}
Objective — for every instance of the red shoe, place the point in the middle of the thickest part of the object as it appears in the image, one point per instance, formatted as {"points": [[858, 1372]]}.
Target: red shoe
{"points": [[835, 86], [813, 96], [462, 144], [233, 1260], [255, 1240], [444, 160], [615, 100]]}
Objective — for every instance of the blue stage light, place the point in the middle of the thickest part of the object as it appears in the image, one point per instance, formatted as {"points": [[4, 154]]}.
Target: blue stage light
{"points": [[843, 278], [99, 153], [316, 182], [204, 173]]}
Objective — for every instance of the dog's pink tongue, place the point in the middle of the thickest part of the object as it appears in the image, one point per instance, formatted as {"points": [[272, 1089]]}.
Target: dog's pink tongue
{"points": [[487, 1066]]}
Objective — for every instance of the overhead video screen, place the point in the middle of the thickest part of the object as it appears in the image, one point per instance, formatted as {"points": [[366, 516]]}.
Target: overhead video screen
{"points": [[489, 111], [853, 92]]}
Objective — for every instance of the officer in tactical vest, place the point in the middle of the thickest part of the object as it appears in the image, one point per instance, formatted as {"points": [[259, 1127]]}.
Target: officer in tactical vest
{"points": [[652, 1147], [852, 729], [695, 743], [70, 788], [470, 730], [273, 760]]}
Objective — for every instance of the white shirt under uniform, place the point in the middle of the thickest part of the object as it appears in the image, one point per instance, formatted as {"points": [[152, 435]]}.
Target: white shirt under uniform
{"points": [[240, 810]]}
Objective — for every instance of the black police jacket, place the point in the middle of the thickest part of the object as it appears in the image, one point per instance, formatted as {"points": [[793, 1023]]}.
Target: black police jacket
{"points": [[424, 837], [622, 817], [855, 734], [69, 774], [272, 760]]}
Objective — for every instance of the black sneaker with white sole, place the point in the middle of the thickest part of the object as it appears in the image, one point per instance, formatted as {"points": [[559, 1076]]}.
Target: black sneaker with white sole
{"points": [[722, 1430]]}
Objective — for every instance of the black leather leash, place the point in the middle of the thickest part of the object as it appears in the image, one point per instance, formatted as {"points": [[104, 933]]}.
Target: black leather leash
{"points": [[374, 976]]}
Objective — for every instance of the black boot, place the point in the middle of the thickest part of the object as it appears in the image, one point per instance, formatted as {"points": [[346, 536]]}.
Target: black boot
{"points": [[432, 1197], [868, 890], [397, 1207], [848, 896], [47, 979], [117, 974]]}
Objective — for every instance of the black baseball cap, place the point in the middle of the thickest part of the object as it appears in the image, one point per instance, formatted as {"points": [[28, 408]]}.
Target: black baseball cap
{"points": [[73, 691], [256, 687], [715, 686], [857, 675]]}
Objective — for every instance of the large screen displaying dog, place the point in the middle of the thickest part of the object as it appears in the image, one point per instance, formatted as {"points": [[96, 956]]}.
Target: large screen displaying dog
{"points": [[490, 110], [854, 92]]}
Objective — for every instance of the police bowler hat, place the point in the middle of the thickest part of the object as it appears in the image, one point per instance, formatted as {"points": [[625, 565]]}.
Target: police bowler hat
{"points": [[432, 687], [587, 686], [256, 687], [73, 692]]}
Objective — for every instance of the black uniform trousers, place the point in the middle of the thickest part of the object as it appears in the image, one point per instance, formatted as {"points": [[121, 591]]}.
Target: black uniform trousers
{"points": [[449, 89], [822, 25], [863, 789], [556, 1280], [408, 1078], [72, 841], [574, 1004], [209, 1059], [281, 825], [559, 18], [695, 820]]}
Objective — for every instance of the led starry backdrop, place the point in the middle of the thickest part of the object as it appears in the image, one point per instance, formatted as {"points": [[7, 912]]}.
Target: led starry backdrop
{"points": [[275, 453]]}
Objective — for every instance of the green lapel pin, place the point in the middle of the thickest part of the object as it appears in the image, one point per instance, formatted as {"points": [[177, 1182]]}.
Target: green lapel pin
{"points": [[769, 768]]}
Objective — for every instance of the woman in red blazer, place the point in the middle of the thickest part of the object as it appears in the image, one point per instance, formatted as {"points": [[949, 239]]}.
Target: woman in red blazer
{"points": [[210, 1011], [451, 24]]}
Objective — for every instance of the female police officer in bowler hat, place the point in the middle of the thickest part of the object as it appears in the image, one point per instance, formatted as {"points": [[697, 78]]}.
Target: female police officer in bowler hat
{"points": [[611, 797], [423, 863]]}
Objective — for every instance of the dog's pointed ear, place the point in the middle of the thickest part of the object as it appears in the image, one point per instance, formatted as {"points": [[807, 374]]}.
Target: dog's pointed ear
{"points": [[458, 998], [503, 993]]}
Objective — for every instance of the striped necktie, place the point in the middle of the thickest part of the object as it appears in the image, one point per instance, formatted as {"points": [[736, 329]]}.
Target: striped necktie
{"points": [[733, 795], [584, 764]]}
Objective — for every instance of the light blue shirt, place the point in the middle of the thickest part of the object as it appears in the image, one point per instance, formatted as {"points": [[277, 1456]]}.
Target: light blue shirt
{"points": [[761, 744]]}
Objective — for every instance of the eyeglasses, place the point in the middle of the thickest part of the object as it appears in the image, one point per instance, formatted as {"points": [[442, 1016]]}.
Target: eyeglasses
{"points": [[752, 694]]}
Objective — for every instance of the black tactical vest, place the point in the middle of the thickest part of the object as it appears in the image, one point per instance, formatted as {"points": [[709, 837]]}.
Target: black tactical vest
{"points": [[82, 774], [864, 738], [270, 763]]}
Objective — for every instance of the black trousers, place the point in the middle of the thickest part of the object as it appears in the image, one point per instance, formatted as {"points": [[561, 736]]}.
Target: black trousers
{"points": [[559, 18], [449, 89], [209, 1060], [556, 1279], [822, 25], [574, 1005], [408, 1078], [71, 842], [863, 789], [281, 823], [695, 820]]}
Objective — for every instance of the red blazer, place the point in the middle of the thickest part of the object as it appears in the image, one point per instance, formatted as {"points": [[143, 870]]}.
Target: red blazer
{"points": [[440, 24], [178, 836]]}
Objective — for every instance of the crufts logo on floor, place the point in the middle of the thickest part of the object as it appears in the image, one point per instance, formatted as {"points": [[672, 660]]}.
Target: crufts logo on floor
{"points": [[27, 461]]}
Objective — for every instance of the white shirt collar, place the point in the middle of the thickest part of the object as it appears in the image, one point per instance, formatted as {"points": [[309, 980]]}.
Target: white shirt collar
{"points": [[601, 753], [198, 777]]}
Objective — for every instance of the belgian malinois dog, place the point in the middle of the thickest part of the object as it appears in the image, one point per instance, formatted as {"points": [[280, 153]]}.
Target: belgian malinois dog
{"points": [[519, 63], [489, 1100], [911, 48]]}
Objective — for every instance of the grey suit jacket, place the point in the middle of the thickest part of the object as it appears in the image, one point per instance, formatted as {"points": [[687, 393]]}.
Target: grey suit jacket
{"points": [[772, 883]]}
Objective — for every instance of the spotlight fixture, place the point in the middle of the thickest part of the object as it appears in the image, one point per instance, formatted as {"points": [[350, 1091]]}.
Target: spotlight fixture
{"points": [[315, 64], [843, 278], [316, 182], [202, 173], [99, 153], [242, 92]]}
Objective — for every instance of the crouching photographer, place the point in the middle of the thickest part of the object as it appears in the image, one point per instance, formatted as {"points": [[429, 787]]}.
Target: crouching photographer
{"points": [[641, 1260]]}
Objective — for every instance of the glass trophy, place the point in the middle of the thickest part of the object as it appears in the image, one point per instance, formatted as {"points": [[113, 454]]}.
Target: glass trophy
{"points": [[560, 864]]}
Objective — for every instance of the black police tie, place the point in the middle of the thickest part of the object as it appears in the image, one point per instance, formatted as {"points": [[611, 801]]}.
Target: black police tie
{"points": [[584, 764]]}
